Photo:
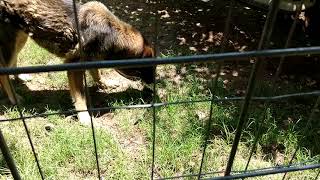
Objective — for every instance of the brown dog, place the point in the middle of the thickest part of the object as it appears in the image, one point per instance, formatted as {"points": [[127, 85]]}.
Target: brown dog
{"points": [[51, 24]]}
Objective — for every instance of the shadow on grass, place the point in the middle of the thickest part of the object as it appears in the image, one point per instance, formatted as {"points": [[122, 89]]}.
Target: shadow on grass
{"points": [[42, 101]]}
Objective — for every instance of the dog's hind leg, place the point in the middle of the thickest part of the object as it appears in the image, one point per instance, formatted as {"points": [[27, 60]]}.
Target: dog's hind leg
{"points": [[11, 42], [77, 93], [6, 84]]}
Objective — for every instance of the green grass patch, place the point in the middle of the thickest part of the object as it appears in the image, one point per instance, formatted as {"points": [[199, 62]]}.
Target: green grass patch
{"points": [[124, 137]]}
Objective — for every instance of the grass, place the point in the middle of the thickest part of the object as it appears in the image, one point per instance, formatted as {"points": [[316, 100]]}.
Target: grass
{"points": [[124, 137]]}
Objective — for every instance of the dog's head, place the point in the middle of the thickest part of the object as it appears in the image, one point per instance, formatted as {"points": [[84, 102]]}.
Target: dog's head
{"points": [[107, 37], [146, 74]]}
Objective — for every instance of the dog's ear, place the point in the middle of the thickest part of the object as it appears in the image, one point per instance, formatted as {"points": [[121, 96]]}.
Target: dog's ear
{"points": [[148, 52]]}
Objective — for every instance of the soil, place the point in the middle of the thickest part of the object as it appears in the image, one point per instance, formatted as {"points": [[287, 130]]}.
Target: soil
{"points": [[197, 27]]}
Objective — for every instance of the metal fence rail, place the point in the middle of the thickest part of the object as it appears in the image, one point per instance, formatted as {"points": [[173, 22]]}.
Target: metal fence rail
{"points": [[219, 58]]}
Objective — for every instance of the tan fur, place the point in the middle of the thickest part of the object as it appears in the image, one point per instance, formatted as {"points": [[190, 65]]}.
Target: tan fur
{"points": [[41, 18], [20, 42], [125, 35], [50, 23]]}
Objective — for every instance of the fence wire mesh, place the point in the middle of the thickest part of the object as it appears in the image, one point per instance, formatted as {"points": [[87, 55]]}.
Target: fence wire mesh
{"points": [[260, 57]]}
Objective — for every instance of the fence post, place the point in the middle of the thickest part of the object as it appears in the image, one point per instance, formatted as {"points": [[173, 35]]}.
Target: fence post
{"points": [[8, 158]]}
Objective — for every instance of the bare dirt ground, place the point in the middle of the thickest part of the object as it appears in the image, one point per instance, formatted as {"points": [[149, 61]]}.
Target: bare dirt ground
{"points": [[197, 27]]}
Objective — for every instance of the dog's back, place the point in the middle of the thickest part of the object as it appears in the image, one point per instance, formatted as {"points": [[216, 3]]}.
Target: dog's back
{"points": [[48, 22]]}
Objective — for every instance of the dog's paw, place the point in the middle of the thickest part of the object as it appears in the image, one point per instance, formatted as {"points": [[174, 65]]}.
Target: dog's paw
{"points": [[84, 118]]}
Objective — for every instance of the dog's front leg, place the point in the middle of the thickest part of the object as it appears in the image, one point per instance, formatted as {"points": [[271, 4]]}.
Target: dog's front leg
{"points": [[77, 93]]}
